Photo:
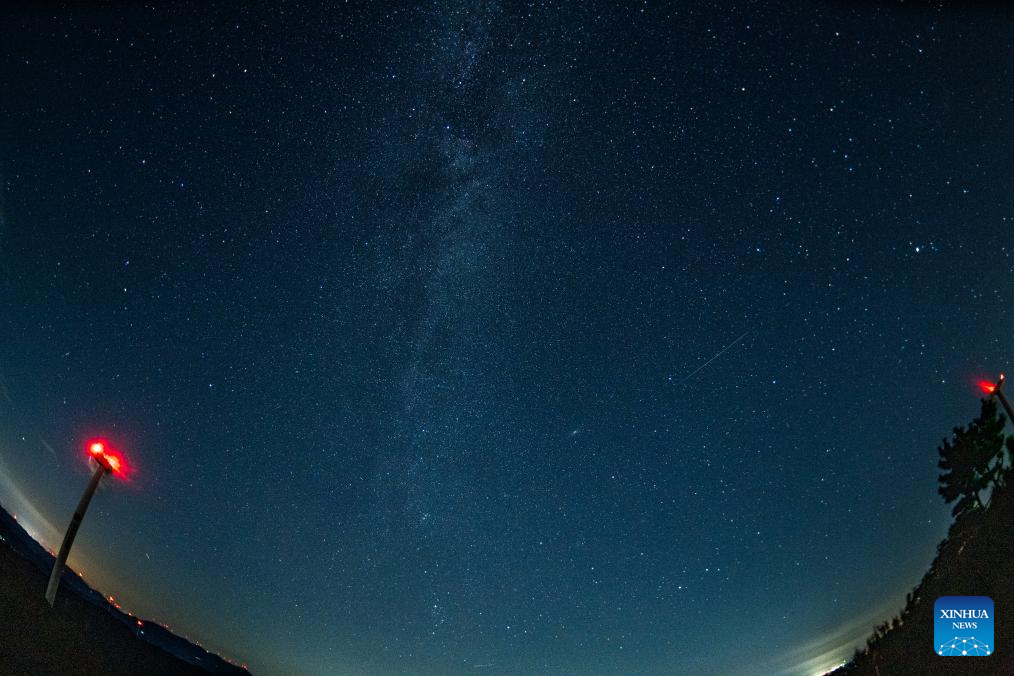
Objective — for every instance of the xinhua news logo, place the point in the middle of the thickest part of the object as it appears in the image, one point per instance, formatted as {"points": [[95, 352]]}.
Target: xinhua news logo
{"points": [[963, 626]]}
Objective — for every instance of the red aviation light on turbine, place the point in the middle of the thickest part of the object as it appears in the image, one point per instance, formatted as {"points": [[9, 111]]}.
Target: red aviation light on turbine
{"points": [[113, 462], [991, 388]]}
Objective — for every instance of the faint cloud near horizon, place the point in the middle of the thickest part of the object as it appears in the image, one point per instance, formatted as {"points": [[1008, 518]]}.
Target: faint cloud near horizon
{"points": [[15, 501], [832, 649]]}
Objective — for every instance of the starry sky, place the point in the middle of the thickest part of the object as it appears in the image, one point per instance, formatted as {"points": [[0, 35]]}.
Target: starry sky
{"points": [[500, 338]]}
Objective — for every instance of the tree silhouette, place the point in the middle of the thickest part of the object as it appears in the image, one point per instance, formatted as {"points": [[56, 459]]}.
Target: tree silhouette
{"points": [[974, 460], [974, 557]]}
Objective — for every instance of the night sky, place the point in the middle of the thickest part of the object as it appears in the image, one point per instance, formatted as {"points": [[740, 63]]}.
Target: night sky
{"points": [[544, 338]]}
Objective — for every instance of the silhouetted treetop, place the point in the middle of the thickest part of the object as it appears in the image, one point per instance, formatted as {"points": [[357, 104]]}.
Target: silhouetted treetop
{"points": [[973, 460]]}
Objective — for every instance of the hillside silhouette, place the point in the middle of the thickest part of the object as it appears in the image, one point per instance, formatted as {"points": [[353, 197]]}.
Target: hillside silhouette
{"points": [[975, 559], [83, 633]]}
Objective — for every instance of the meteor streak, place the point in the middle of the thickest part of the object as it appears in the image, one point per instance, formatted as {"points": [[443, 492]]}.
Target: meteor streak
{"points": [[719, 354]]}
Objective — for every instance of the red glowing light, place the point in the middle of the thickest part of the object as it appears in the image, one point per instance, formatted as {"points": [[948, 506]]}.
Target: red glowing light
{"points": [[988, 388], [113, 462]]}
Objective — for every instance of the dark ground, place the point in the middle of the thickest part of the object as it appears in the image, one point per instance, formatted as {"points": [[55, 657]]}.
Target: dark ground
{"points": [[976, 559], [72, 638]]}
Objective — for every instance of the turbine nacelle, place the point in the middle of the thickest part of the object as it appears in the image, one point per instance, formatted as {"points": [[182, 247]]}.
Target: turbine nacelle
{"points": [[99, 450], [991, 388]]}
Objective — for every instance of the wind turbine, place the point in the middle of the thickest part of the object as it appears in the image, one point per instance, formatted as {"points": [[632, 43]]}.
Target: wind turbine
{"points": [[997, 391], [106, 462]]}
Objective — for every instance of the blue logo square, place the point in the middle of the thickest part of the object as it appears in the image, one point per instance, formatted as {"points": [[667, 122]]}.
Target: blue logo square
{"points": [[963, 626]]}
